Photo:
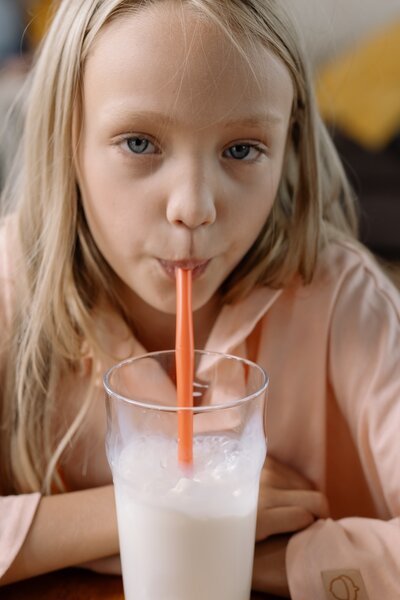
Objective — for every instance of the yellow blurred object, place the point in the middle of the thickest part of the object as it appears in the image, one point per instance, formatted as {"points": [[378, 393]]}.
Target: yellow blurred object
{"points": [[359, 92], [40, 14]]}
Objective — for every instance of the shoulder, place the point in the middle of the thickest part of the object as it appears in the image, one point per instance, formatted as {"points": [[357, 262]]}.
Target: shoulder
{"points": [[349, 314], [364, 328], [348, 284], [355, 279]]}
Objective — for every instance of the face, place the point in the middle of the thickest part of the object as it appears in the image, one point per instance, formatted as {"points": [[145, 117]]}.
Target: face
{"points": [[181, 151]]}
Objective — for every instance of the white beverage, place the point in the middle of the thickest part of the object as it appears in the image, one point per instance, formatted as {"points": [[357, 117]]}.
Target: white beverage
{"points": [[188, 536]]}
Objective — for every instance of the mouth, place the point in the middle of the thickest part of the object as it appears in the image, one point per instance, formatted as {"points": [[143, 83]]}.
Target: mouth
{"points": [[197, 266]]}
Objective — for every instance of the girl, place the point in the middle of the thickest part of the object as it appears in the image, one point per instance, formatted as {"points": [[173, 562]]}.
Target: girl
{"points": [[171, 133]]}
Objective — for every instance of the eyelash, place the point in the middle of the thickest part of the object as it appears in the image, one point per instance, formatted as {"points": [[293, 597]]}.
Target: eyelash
{"points": [[258, 148], [142, 138]]}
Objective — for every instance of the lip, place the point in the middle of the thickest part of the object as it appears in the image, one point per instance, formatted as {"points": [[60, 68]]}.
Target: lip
{"points": [[197, 266]]}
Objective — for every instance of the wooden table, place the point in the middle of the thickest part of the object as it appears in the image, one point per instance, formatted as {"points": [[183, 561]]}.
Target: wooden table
{"points": [[75, 584]]}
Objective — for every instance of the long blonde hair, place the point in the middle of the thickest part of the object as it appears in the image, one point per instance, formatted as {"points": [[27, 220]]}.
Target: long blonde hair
{"points": [[62, 275]]}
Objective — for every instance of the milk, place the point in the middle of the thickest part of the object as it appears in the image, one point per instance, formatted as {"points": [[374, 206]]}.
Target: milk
{"points": [[188, 534]]}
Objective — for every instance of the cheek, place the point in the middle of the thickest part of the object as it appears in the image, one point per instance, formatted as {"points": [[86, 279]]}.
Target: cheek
{"points": [[255, 204], [253, 224], [106, 222], [107, 212], [254, 211]]}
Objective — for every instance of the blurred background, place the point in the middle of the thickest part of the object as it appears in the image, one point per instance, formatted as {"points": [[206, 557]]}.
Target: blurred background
{"points": [[22, 26], [354, 49]]}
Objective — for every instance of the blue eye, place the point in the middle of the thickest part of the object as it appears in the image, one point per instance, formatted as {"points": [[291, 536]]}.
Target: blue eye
{"points": [[239, 151], [140, 145], [243, 151]]}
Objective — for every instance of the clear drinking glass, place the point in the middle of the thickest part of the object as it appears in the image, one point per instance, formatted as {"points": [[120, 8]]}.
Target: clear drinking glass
{"points": [[186, 532]]}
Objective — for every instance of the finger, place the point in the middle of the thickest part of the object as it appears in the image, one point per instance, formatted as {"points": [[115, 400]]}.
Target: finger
{"points": [[278, 475], [312, 501], [282, 520]]}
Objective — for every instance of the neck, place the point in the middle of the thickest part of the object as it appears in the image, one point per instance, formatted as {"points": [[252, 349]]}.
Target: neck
{"points": [[155, 330]]}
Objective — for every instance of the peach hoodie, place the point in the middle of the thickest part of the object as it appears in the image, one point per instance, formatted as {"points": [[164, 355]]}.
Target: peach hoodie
{"points": [[332, 350]]}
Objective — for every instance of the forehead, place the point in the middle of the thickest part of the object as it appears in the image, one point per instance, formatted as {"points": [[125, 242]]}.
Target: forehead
{"points": [[173, 59]]}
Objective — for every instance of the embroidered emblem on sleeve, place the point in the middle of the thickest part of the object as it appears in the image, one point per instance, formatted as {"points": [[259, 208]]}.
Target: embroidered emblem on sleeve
{"points": [[344, 584]]}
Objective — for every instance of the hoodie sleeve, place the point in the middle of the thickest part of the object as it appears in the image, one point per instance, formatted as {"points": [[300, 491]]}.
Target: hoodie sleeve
{"points": [[16, 516], [357, 558]]}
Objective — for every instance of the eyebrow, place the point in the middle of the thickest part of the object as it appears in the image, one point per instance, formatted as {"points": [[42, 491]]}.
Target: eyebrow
{"points": [[264, 119]]}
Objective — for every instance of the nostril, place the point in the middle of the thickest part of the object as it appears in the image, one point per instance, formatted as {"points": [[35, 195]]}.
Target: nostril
{"points": [[191, 223], [187, 223], [190, 209]]}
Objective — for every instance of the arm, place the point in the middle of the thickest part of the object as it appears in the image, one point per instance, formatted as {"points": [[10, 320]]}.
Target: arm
{"points": [[40, 535], [287, 503], [66, 530], [269, 569], [357, 551]]}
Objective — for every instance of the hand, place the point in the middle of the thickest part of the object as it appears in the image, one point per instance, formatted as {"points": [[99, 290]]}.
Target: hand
{"points": [[109, 566], [287, 501]]}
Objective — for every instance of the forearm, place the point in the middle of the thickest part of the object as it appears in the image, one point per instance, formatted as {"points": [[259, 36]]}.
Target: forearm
{"points": [[269, 569], [68, 529]]}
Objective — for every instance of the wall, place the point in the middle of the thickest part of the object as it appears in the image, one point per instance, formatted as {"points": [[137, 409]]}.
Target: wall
{"points": [[329, 26]]}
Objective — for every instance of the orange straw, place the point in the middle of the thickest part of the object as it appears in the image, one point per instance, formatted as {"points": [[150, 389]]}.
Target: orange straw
{"points": [[184, 351]]}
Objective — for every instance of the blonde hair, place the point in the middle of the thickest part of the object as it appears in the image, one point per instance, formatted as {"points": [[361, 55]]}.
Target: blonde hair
{"points": [[63, 276]]}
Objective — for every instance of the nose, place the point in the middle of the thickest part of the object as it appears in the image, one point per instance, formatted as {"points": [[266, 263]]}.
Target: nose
{"points": [[191, 200]]}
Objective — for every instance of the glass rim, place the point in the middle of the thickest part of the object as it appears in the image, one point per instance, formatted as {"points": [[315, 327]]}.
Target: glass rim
{"points": [[194, 409]]}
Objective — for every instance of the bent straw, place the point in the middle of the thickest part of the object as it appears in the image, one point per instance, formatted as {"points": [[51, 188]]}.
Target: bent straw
{"points": [[184, 352]]}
